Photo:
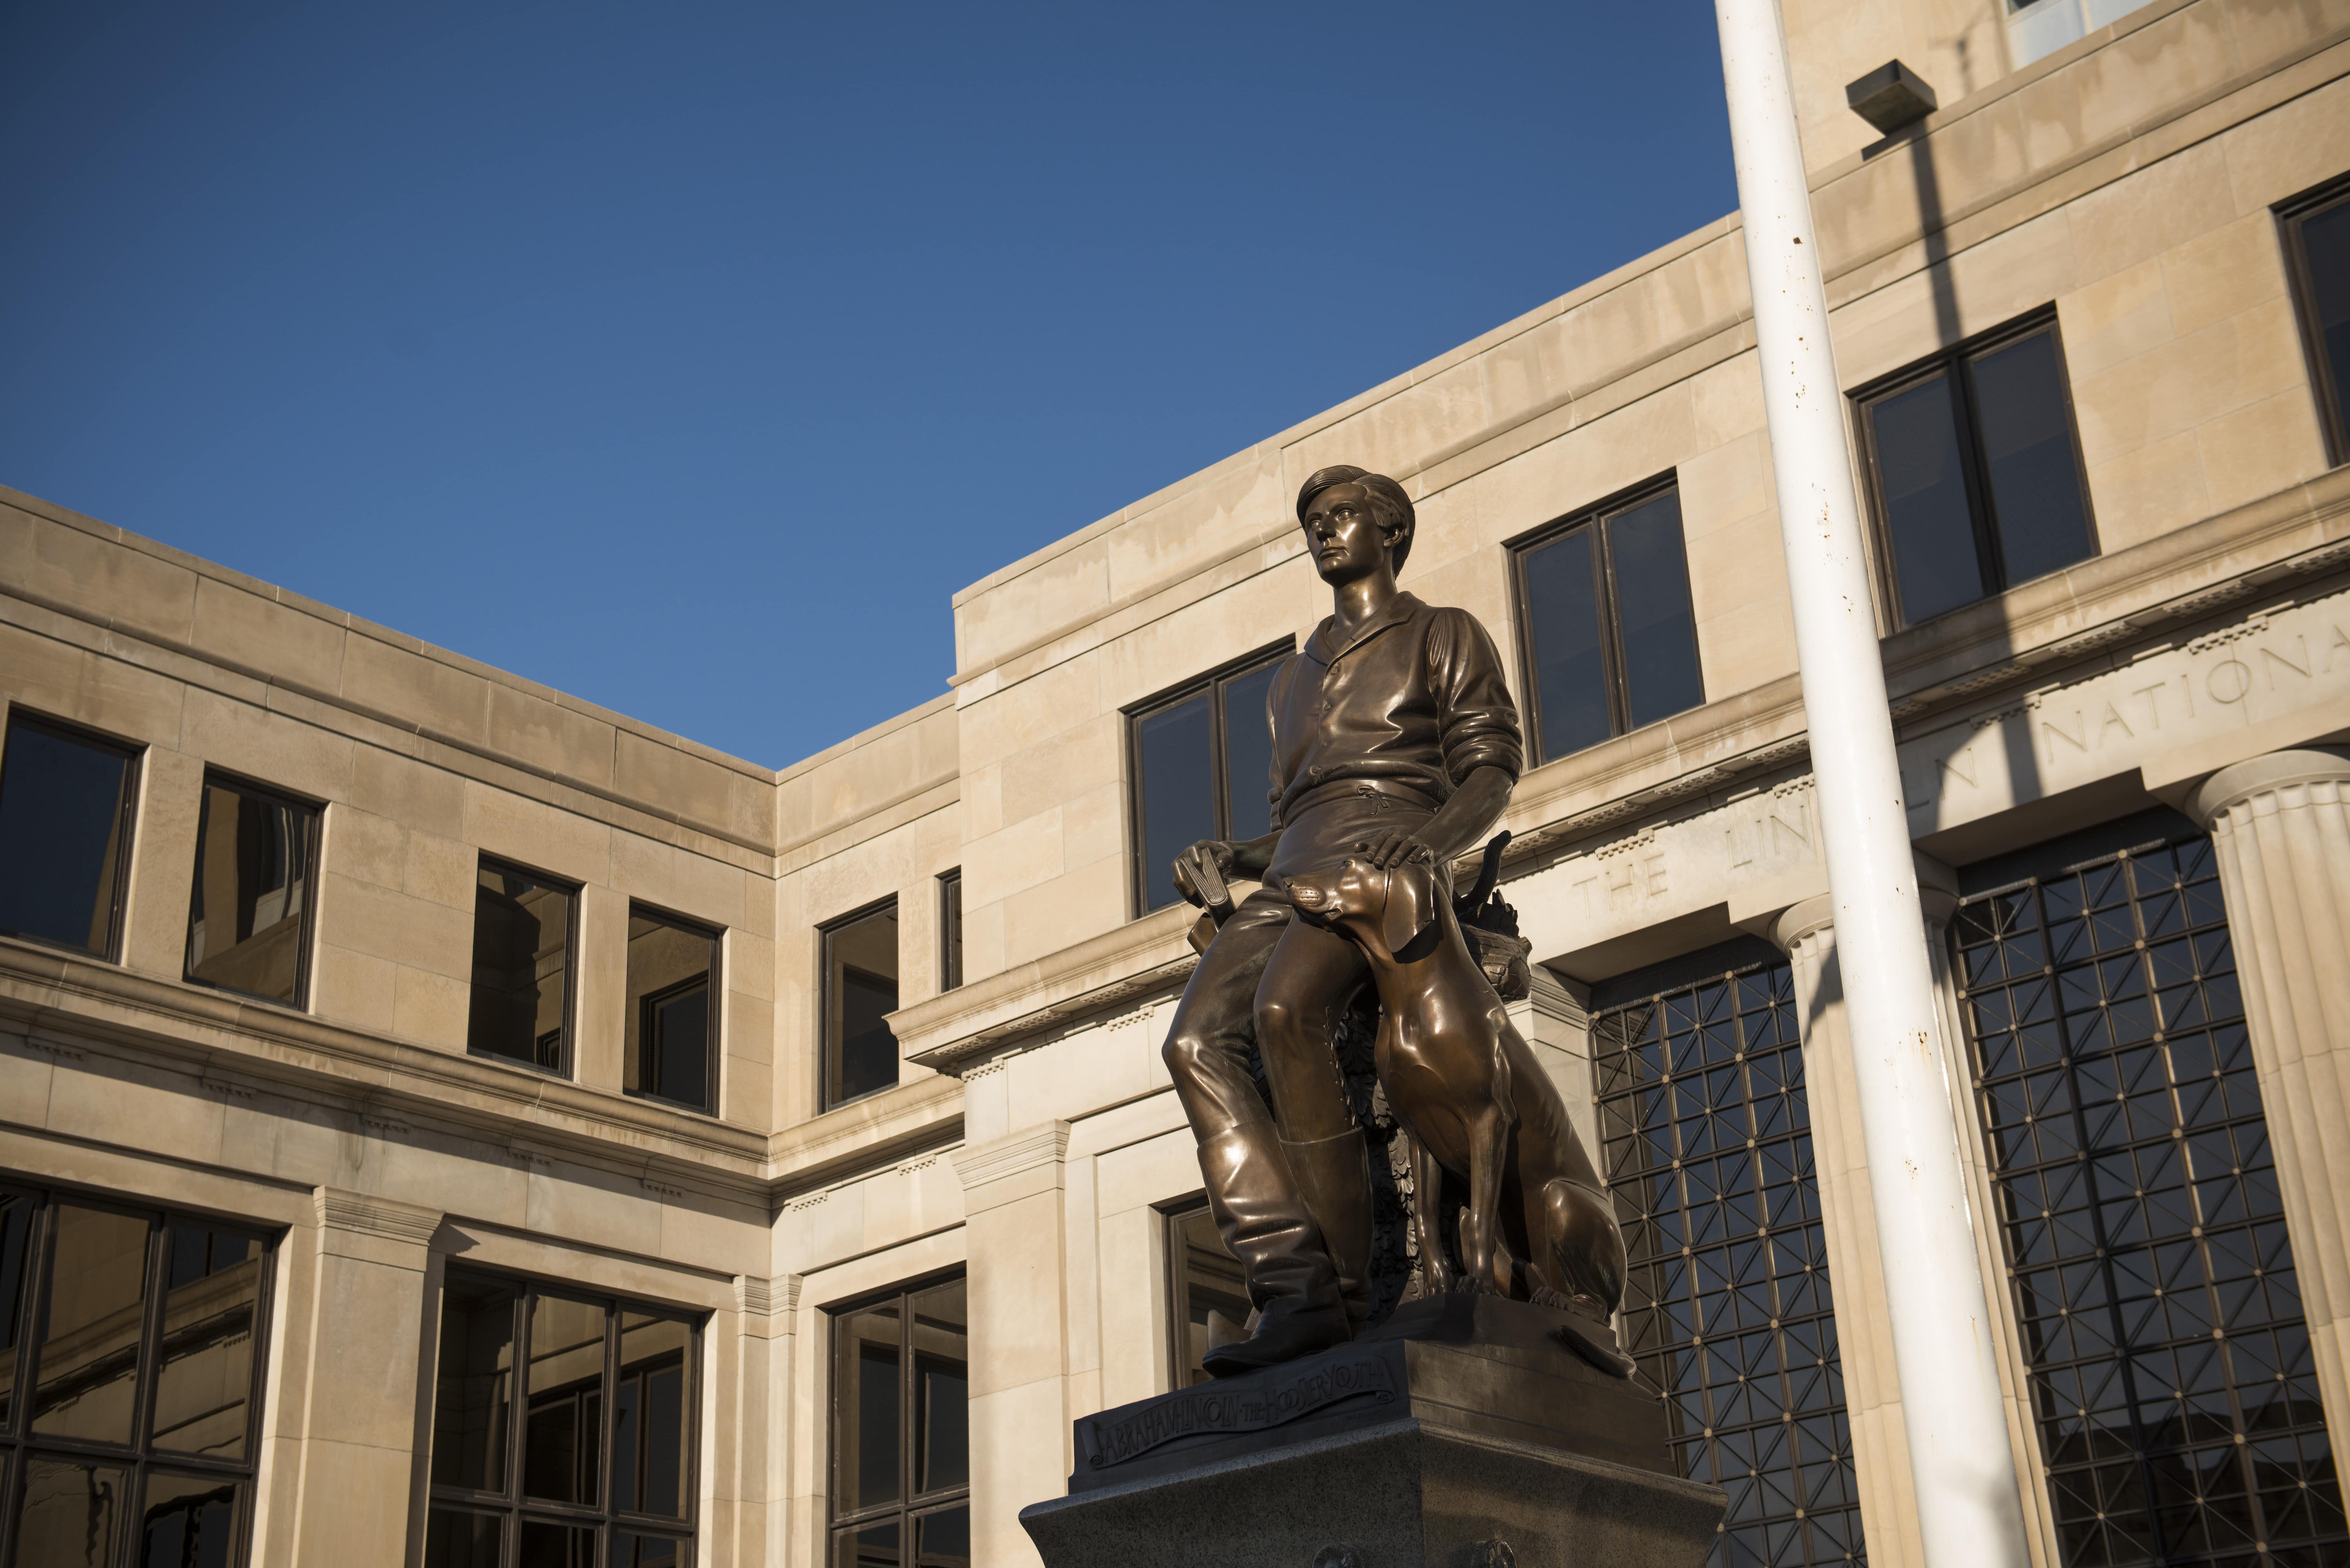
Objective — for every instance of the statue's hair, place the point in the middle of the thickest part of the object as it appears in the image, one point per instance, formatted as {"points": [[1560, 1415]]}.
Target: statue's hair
{"points": [[1390, 507]]}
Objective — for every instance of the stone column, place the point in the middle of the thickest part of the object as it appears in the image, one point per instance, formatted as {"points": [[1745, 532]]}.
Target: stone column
{"points": [[1015, 1202], [754, 1448], [1888, 1510], [368, 1384], [1557, 1022], [2279, 827]]}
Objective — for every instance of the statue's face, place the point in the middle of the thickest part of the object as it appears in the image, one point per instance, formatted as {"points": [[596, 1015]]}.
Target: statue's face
{"points": [[1344, 533]]}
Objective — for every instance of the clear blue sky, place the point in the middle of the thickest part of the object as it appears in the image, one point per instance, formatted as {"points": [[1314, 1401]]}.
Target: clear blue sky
{"points": [[688, 357]]}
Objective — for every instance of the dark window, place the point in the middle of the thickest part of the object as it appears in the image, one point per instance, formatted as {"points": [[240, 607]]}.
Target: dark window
{"points": [[1202, 769], [1709, 1153], [522, 967], [2317, 250], [1205, 1279], [2171, 1371], [249, 915], [901, 1431], [860, 991], [130, 1367], [66, 801], [602, 1456], [1610, 638], [1976, 471], [671, 1050], [950, 928]]}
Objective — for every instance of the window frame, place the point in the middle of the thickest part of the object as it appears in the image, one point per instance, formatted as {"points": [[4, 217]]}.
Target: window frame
{"points": [[512, 1506], [1213, 683], [910, 1504], [950, 929], [830, 1037], [1593, 518], [1955, 360], [134, 755], [2333, 415], [19, 1444], [567, 1056], [313, 840], [1172, 1216], [714, 979]]}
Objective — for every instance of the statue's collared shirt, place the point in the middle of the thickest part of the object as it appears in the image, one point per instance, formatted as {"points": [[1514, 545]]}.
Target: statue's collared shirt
{"points": [[1415, 698]]}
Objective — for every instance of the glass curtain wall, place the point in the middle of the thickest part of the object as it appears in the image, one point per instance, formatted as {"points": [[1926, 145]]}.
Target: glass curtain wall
{"points": [[1728, 1310], [2170, 1368]]}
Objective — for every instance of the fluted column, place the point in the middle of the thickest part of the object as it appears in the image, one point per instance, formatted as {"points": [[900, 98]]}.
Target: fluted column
{"points": [[2280, 827], [1872, 1384]]}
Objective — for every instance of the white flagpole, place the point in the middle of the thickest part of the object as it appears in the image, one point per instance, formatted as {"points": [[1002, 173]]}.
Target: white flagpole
{"points": [[1968, 1506]]}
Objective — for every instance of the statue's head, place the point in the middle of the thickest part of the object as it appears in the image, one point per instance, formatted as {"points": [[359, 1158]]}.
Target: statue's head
{"points": [[1353, 521]]}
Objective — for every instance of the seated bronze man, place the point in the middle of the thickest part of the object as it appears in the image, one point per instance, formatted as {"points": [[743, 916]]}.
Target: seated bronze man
{"points": [[1394, 739]]}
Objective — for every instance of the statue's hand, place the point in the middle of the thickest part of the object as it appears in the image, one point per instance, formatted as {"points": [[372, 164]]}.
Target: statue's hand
{"points": [[1391, 849], [1202, 873]]}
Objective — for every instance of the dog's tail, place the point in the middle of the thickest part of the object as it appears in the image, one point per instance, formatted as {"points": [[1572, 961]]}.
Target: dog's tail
{"points": [[1488, 874]]}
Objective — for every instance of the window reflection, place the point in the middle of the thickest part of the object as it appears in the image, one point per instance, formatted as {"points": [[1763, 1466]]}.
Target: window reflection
{"points": [[186, 1522], [246, 913], [1609, 628], [860, 959], [671, 1035], [566, 1409], [522, 964], [1977, 474], [901, 1430], [649, 1432], [211, 1294], [65, 835], [1208, 1284], [89, 1348], [600, 1468], [67, 1513], [471, 1396], [1175, 758], [136, 1443], [2318, 238], [1202, 768]]}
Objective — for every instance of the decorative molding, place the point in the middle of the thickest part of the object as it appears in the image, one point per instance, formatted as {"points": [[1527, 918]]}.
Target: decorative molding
{"points": [[343, 1211], [1047, 1144], [225, 1089], [662, 1187], [808, 1200], [529, 1158], [62, 1051], [383, 1125], [755, 1295]]}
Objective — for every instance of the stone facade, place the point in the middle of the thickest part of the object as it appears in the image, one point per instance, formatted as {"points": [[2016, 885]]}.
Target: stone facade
{"points": [[2198, 662]]}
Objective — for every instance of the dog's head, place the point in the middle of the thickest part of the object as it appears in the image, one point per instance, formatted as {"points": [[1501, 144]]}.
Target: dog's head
{"points": [[1385, 910]]}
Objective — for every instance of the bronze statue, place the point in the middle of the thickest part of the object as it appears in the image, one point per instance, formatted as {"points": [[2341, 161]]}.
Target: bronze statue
{"points": [[1395, 742], [1539, 1224]]}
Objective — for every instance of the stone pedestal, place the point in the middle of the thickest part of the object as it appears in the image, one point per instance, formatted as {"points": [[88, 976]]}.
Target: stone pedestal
{"points": [[1466, 1432]]}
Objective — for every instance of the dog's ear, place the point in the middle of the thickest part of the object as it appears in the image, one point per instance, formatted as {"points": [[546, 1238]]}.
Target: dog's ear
{"points": [[1411, 904]]}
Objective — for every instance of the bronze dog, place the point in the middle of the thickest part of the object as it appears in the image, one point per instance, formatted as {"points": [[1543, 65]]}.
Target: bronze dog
{"points": [[1539, 1224]]}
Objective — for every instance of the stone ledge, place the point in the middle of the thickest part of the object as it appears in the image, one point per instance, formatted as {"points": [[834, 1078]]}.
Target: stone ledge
{"points": [[951, 1030], [224, 1042]]}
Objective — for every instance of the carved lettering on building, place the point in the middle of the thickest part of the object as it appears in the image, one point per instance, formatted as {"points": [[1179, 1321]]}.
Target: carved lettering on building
{"points": [[2107, 723]]}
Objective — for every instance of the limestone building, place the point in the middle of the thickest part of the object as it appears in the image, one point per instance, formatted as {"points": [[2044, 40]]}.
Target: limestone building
{"points": [[443, 1122]]}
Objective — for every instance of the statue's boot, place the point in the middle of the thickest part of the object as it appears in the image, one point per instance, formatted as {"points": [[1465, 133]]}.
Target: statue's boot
{"points": [[1335, 1175], [1266, 1224]]}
